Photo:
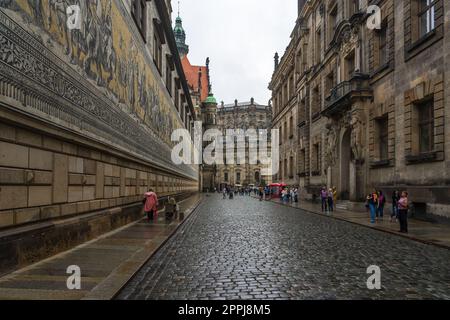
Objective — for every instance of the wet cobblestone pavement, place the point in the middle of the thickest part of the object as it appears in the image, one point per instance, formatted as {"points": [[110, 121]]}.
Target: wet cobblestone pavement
{"points": [[246, 249]]}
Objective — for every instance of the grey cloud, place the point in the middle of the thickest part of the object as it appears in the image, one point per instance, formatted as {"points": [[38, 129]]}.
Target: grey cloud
{"points": [[240, 37]]}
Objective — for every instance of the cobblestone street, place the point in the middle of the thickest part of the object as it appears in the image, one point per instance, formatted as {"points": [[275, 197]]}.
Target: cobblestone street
{"points": [[246, 249]]}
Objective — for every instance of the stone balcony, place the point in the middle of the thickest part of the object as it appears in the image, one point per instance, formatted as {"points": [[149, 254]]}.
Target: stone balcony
{"points": [[345, 93]]}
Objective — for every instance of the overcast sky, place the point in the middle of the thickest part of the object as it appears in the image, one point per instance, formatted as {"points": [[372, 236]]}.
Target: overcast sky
{"points": [[240, 37]]}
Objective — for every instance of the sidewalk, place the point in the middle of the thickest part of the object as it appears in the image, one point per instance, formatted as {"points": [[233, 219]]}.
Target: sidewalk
{"points": [[423, 231], [106, 263]]}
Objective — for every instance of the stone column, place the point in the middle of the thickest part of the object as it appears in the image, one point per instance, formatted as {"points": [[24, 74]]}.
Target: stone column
{"points": [[353, 187]]}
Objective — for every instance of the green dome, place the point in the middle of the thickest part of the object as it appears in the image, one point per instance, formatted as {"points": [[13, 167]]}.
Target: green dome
{"points": [[211, 99], [178, 26]]}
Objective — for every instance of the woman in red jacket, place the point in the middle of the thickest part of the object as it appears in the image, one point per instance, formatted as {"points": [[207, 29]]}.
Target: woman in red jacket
{"points": [[151, 204]]}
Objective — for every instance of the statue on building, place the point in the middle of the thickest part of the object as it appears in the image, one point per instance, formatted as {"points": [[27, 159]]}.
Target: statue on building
{"points": [[357, 138], [331, 143]]}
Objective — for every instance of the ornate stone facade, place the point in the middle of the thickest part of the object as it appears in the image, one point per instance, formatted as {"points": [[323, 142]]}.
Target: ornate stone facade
{"points": [[372, 104], [244, 115]]}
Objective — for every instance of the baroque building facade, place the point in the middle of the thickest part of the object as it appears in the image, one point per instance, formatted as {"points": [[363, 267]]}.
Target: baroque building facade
{"points": [[86, 117], [371, 100], [244, 115]]}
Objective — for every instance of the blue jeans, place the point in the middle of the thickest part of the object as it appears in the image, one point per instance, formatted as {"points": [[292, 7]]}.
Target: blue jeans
{"points": [[373, 212], [394, 211], [324, 204]]}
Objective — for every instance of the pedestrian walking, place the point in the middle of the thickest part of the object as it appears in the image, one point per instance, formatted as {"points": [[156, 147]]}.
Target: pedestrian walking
{"points": [[284, 195], [330, 200], [395, 198], [224, 193], [151, 205], [381, 203], [372, 201], [324, 198], [261, 194], [296, 195], [403, 206]]}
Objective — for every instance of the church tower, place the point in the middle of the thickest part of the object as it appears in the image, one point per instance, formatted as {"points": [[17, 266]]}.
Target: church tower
{"points": [[180, 37]]}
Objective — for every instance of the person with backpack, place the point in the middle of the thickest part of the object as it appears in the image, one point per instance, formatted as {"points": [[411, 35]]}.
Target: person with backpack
{"points": [[151, 204], [381, 203]]}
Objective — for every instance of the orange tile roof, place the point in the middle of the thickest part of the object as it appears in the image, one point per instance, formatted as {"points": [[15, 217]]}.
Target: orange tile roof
{"points": [[191, 73]]}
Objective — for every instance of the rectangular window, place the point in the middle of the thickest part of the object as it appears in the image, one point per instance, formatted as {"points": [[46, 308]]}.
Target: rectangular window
{"points": [[177, 94], [286, 130], [157, 51], [285, 169], [330, 83], [168, 77], [316, 159], [291, 167], [291, 87], [382, 46], [303, 161], [332, 23], [316, 102], [238, 177], [318, 45], [291, 127], [426, 126], [226, 176], [350, 65], [139, 13], [426, 16], [383, 134]]}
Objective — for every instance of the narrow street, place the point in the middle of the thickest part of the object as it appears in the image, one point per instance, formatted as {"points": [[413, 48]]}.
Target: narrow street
{"points": [[246, 249]]}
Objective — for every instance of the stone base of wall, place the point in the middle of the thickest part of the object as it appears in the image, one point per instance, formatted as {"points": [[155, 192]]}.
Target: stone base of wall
{"points": [[20, 247]]}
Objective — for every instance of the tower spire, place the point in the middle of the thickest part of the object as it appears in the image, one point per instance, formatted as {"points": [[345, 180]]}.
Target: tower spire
{"points": [[180, 35]]}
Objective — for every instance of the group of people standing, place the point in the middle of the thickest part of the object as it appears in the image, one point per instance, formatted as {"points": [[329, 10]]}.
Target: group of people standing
{"points": [[328, 199], [376, 201], [289, 195]]}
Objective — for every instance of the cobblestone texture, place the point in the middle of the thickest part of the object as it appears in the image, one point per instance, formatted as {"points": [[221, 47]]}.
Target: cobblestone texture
{"points": [[246, 249]]}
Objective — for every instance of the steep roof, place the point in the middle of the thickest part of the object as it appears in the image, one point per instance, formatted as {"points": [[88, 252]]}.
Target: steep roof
{"points": [[191, 73]]}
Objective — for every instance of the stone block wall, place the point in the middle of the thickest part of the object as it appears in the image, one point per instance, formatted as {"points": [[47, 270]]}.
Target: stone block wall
{"points": [[44, 178]]}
